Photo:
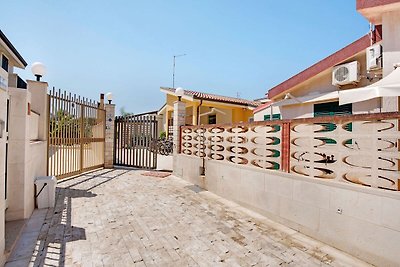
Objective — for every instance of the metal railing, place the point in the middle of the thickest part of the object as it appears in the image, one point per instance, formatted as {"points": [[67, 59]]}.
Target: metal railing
{"points": [[76, 134]]}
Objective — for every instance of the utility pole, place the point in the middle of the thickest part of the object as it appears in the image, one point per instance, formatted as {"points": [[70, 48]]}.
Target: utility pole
{"points": [[173, 70]]}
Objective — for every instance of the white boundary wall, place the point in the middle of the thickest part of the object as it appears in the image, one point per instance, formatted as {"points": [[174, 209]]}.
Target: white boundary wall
{"points": [[363, 222]]}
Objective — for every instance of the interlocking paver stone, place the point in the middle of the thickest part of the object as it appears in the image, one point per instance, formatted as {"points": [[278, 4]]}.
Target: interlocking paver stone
{"points": [[122, 218]]}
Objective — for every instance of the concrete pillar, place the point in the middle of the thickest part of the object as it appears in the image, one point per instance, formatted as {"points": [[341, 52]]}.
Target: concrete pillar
{"points": [[20, 199], [27, 159], [179, 120], [39, 104], [195, 115], [3, 138], [109, 138]]}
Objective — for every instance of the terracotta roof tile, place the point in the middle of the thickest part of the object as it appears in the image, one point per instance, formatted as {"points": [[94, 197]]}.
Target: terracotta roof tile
{"points": [[218, 98], [262, 107]]}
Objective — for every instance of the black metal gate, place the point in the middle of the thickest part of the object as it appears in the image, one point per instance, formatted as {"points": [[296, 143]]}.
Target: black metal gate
{"points": [[135, 136]]}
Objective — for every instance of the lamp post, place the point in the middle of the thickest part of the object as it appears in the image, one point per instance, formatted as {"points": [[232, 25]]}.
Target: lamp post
{"points": [[179, 93], [39, 70], [173, 70], [109, 97]]}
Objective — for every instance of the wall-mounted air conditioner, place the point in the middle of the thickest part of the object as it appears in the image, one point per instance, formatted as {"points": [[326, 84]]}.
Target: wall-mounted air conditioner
{"points": [[348, 73], [374, 57]]}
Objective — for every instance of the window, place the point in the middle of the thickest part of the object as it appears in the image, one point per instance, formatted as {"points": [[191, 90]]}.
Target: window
{"points": [[333, 109], [4, 63], [274, 117], [212, 119]]}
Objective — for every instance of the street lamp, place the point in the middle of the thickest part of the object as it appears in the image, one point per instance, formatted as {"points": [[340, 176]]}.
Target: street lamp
{"points": [[109, 97], [173, 71], [39, 70], [179, 93]]}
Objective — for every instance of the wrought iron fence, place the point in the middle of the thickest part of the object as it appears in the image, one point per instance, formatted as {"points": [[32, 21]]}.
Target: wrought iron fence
{"points": [[133, 141], [76, 134]]}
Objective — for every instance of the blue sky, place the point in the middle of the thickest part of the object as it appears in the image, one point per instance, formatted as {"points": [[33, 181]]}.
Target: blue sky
{"points": [[126, 47]]}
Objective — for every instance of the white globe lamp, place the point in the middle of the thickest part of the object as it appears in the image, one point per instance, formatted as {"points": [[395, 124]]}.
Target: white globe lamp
{"points": [[109, 97], [179, 93], [39, 70]]}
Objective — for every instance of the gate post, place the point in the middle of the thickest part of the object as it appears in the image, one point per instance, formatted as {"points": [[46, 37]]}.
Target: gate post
{"points": [[109, 137], [27, 146], [179, 120]]}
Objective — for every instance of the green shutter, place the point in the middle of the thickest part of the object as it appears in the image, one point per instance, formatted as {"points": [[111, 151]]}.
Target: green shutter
{"points": [[333, 109], [274, 117]]}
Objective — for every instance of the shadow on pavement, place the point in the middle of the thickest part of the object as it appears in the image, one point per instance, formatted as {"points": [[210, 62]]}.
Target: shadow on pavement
{"points": [[57, 229]]}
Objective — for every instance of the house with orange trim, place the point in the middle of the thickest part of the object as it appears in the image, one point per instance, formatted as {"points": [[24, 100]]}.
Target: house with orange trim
{"points": [[349, 73], [206, 108]]}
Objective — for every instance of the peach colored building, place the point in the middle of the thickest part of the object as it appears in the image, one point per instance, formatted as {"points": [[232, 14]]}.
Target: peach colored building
{"points": [[316, 92]]}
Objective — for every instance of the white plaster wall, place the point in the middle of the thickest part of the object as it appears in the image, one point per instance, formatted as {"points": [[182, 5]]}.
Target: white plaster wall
{"points": [[39, 104], [391, 52], [369, 106], [307, 110], [259, 116], [36, 167], [368, 227], [3, 117], [34, 126], [18, 153], [297, 111]]}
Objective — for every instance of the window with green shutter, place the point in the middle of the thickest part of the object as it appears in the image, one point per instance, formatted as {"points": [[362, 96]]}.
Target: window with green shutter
{"points": [[333, 109], [274, 117]]}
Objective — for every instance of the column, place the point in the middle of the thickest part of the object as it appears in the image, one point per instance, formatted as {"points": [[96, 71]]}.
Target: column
{"points": [[109, 138], [179, 120], [20, 191], [195, 114], [39, 104]]}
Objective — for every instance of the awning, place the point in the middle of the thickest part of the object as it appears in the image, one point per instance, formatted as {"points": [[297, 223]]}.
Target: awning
{"points": [[307, 99], [388, 86]]}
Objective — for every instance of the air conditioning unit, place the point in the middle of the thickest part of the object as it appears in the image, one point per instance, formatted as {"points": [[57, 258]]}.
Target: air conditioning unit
{"points": [[348, 73], [374, 57]]}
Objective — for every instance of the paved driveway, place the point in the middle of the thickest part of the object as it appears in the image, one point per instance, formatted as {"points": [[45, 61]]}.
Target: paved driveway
{"points": [[121, 218]]}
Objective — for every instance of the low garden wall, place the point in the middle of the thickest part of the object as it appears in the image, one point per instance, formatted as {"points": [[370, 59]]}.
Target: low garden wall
{"points": [[344, 198]]}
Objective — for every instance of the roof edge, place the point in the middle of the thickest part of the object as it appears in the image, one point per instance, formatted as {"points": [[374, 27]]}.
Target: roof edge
{"points": [[326, 63], [193, 95], [363, 4], [12, 48], [262, 107]]}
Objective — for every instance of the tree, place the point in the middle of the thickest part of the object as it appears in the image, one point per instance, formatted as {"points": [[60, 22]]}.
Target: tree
{"points": [[124, 113]]}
